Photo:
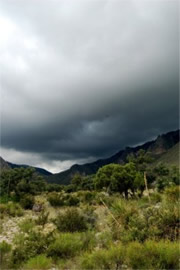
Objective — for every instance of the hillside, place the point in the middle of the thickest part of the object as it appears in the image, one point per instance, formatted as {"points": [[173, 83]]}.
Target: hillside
{"points": [[164, 148], [8, 165], [171, 157], [4, 164]]}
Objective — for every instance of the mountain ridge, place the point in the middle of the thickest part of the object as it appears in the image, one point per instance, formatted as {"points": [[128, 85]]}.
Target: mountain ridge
{"points": [[164, 148], [157, 147], [8, 165]]}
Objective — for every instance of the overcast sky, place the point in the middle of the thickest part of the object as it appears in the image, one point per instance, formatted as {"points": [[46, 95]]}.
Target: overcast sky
{"points": [[81, 80]]}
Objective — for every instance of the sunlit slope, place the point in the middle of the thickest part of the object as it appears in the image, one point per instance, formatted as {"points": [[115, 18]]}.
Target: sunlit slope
{"points": [[171, 157]]}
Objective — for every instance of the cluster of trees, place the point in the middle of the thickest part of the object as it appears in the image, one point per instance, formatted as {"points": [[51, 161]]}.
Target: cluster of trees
{"points": [[129, 177], [122, 178], [20, 181]]}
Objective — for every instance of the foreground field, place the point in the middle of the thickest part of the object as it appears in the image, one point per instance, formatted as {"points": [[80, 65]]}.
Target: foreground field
{"points": [[92, 230]]}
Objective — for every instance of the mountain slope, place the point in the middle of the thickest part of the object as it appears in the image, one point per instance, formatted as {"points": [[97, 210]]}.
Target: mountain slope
{"points": [[3, 164], [159, 148], [8, 165], [171, 157]]}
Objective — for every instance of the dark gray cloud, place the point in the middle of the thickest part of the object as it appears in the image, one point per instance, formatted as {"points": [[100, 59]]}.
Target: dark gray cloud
{"points": [[82, 79]]}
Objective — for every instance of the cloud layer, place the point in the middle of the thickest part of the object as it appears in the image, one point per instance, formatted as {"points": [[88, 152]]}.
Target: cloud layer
{"points": [[82, 79]]}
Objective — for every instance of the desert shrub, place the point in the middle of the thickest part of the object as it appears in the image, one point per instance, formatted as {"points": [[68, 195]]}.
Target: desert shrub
{"points": [[55, 199], [63, 199], [172, 193], [27, 201], [71, 221], [137, 223], [11, 209], [27, 225], [72, 200], [66, 245], [30, 245], [38, 262], [87, 197], [163, 220], [113, 258], [5, 249], [136, 257], [42, 218], [156, 197], [153, 255], [168, 255]]}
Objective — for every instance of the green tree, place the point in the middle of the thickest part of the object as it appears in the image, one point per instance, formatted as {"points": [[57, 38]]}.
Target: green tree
{"points": [[21, 181], [119, 178]]}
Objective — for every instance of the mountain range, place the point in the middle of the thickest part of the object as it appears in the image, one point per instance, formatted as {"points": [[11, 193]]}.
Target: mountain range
{"points": [[165, 148]]}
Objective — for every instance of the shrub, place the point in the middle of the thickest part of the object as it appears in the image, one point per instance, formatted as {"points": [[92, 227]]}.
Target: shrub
{"points": [[55, 199], [72, 201], [5, 248], [113, 258], [137, 223], [27, 201], [71, 221], [153, 255], [63, 199], [66, 245], [42, 218], [38, 262], [156, 197], [29, 246], [168, 255], [172, 193], [27, 225], [11, 209], [136, 256]]}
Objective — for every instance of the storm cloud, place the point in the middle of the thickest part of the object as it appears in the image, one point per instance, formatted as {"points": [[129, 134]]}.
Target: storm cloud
{"points": [[81, 80]]}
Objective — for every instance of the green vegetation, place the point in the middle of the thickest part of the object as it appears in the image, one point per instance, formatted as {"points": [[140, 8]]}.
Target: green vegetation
{"points": [[39, 262], [111, 220], [71, 221]]}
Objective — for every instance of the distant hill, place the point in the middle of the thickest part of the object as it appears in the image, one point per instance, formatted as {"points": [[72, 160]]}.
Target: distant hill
{"points": [[8, 165], [164, 149]]}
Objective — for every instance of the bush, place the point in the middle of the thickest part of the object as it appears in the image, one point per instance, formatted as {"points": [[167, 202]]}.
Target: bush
{"points": [[137, 223], [42, 218], [72, 201], [113, 258], [29, 246], [136, 256], [66, 245], [27, 201], [38, 262], [71, 221], [11, 209], [63, 199], [168, 254], [5, 248], [153, 255], [156, 197], [27, 225], [55, 199], [172, 193]]}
